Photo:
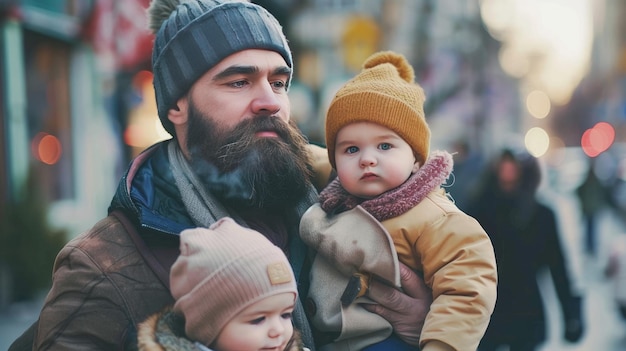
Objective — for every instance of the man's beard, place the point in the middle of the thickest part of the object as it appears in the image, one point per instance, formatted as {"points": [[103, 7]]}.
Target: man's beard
{"points": [[243, 170]]}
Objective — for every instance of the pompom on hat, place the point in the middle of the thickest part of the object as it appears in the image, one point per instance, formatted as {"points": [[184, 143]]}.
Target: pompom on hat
{"points": [[192, 36], [222, 270], [385, 93]]}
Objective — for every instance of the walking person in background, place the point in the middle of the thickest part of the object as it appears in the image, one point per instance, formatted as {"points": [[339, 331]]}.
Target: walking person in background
{"points": [[234, 291], [221, 74], [592, 196], [526, 240], [387, 206], [615, 271], [467, 163]]}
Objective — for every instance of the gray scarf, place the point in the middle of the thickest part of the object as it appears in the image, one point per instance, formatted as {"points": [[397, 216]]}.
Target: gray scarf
{"points": [[203, 208]]}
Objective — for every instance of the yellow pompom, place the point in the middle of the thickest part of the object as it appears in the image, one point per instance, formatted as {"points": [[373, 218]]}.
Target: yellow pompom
{"points": [[398, 60]]}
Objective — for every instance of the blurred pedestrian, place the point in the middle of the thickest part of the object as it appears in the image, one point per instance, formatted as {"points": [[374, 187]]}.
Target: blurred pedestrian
{"points": [[526, 240], [615, 271], [387, 206], [467, 163], [593, 198]]}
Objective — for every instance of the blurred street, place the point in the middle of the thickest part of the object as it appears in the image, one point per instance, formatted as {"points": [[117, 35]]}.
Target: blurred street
{"points": [[604, 328], [605, 331]]}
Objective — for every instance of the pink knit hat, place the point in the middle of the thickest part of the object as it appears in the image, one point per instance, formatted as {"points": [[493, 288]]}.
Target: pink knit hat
{"points": [[221, 271]]}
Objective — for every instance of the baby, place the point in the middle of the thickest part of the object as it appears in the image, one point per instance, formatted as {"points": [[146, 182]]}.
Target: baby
{"points": [[234, 291], [387, 207]]}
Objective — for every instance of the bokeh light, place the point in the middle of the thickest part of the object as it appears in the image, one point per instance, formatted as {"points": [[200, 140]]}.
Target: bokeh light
{"points": [[538, 104], [597, 139], [46, 148], [537, 141], [548, 44]]}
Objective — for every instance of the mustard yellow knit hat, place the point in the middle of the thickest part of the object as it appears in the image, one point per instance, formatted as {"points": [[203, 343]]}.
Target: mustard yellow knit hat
{"points": [[385, 93]]}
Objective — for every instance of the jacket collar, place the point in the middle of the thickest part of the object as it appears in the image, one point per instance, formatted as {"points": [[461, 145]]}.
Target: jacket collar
{"points": [[148, 191]]}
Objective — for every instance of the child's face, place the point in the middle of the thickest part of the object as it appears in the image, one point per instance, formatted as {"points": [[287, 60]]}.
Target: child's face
{"points": [[264, 325], [372, 159]]}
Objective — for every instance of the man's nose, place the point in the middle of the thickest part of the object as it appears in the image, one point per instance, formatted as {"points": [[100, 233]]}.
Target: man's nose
{"points": [[265, 100]]}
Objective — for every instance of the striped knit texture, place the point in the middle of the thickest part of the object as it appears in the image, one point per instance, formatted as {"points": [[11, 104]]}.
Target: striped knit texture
{"points": [[222, 270], [201, 33]]}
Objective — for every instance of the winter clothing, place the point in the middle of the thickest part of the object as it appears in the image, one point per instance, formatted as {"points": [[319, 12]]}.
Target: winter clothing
{"points": [[592, 196], [234, 265], [164, 331], [525, 238], [102, 286], [385, 93], [193, 36], [417, 224], [615, 270]]}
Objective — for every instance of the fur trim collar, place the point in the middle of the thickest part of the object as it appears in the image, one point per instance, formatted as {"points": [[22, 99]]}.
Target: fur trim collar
{"points": [[334, 198], [164, 331]]}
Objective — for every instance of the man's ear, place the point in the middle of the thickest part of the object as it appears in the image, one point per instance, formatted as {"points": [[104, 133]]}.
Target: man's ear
{"points": [[178, 114]]}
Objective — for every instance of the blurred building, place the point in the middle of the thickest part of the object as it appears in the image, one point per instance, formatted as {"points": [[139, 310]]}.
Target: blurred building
{"points": [[66, 90]]}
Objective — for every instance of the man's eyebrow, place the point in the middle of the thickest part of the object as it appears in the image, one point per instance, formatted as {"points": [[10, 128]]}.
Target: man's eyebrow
{"points": [[283, 70], [235, 70]]}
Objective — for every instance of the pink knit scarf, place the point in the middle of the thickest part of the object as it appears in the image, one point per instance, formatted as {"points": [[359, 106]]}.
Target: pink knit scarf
{"points": [[334, 198]]}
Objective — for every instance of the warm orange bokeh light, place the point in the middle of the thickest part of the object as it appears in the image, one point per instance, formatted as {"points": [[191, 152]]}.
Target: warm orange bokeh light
{"points": [[46, 148], [142, 78]]}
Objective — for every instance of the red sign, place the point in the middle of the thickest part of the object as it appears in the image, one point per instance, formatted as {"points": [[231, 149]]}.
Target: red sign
{"points": [[119, 32]]}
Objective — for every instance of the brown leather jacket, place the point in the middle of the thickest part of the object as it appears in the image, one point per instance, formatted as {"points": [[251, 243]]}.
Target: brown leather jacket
{"points": [[103, 288]]}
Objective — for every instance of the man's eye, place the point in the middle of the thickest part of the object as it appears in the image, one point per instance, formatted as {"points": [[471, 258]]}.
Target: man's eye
{"points": [[352, 149], [385, 146], [279, 84], [238, 84]]}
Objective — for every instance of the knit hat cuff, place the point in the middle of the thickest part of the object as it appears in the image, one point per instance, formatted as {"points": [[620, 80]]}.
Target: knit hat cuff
{"points": [[385, 110]]}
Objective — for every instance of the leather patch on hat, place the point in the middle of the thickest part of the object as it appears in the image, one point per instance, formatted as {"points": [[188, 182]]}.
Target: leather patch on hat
{"points": [[278, 273]]}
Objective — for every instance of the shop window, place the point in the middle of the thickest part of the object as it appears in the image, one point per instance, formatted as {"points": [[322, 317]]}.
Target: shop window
{"points": [[47, 66]]}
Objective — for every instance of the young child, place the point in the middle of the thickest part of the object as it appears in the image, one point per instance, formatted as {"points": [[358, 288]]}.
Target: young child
{"points": [[387, 206], [234, 291]]}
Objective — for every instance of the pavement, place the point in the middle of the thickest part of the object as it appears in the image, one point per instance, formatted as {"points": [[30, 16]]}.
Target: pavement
{"points": [[16, 318], [605, 329]]}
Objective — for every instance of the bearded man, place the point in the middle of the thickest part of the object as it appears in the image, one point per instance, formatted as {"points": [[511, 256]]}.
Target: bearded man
{"points": [[221, 74]]}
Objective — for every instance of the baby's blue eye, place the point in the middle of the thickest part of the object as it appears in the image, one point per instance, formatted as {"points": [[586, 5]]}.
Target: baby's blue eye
{"points": [[352, 149], [385, 146]]}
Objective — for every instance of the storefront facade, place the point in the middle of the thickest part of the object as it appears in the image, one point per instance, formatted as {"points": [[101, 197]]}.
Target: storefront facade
{"points": [[61, 117]]}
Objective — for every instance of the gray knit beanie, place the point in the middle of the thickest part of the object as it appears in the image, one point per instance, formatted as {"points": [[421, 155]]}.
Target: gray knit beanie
{"points": [[222, 270], [192, 36]]}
